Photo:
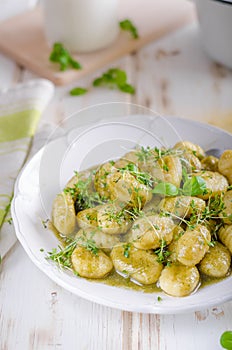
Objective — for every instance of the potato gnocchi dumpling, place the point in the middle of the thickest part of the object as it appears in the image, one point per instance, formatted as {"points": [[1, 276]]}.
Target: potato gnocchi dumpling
{"points": [[210, 163], [225, 236], [149, 232], [190, 162], [90, 265], [179, 280], [140, 265], [225, 165], [188, 146], [98, 237], [63, 214], [168, 169], [193, 245], [182, 206], [126, 188], [226, 214], [101, 181], [87, 218], [215, 183], [156, 217], [172, 247], [113, 219], [216, 262]]}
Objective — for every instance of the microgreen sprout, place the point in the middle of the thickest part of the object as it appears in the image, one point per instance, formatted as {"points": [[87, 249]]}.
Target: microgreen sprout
{"points": [[162, 253], [62, 257], [143, 177], [82, 194]]}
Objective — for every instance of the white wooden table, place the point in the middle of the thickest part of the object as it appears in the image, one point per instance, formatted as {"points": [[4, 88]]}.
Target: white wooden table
{"points": [[172, 76]]}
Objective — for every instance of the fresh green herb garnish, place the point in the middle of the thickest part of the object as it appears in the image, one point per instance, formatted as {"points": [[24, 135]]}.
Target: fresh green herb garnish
{"points": [[166, 189], [154, 154], [114, 78], [88, 243], [83, 195], [61, 55], [143, 177], [162, 253], [226, 340], [127, 25], [77, 91], [159, 298], [127, 248], [194, 186], [143, 153], [63, 257]]}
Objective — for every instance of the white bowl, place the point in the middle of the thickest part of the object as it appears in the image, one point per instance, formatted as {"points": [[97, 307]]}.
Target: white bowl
{"points": [[215, 18]]}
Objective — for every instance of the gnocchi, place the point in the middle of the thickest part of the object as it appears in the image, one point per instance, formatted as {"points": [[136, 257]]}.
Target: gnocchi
{"points": [[157, 217]]}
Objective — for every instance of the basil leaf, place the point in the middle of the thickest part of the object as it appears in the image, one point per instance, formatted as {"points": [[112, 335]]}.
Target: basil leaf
{"points": [[127, 25], [127, 88], [60, 55], [114, 78], [77, 91], [166, 189], [226, 340], [194, 186]]}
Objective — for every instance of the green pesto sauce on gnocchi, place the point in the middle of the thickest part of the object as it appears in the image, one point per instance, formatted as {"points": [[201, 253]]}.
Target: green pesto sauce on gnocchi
{"points": [[155, 219]]}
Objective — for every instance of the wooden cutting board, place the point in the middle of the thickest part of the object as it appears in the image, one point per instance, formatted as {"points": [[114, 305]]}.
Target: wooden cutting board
{"points": [[22, 37]]}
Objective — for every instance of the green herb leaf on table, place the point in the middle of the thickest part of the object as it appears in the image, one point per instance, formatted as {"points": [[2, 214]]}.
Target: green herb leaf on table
{"points": [[77, 91], [115, 78], [226, 340], [127, 25], [62, 56]]}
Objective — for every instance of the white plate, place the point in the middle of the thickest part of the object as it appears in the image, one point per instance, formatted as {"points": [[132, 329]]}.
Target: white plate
{"points": [[48, 171]]}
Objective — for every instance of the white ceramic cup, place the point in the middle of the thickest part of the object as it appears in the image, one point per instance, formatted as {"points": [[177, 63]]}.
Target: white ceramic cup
{"points": [[81, 25], [215, 18]]}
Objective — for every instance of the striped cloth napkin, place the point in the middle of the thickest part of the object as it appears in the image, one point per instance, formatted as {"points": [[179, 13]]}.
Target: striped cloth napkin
{"points": [[20, 111]]}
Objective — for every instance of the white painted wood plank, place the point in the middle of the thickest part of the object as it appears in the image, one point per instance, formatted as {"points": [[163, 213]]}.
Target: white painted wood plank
{"points": [[35, 313], [10, 73], [177, 78]]}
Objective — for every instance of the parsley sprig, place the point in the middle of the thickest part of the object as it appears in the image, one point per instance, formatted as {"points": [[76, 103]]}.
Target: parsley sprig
{"points": [[62, 56]]}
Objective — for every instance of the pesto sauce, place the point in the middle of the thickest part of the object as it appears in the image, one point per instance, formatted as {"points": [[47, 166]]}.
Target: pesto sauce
{"points": [[116, 280]]}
